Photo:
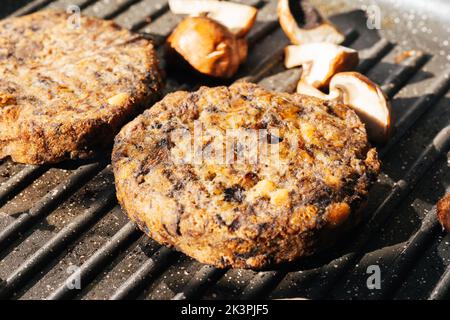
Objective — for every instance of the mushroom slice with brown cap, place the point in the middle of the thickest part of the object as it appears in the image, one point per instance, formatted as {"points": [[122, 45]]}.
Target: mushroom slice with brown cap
{"points": [[320, 61], [302, 23], [238, 18], [367, 99], [362, 95]]}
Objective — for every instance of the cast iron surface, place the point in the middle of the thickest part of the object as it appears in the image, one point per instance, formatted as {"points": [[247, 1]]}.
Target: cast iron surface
{"points": [[58, 220]]}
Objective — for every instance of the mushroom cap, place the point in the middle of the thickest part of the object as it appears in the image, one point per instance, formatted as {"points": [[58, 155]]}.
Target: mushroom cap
{"points": [[320, 61], [207, 46], [322, 31], [238, 18], [367, 99]]}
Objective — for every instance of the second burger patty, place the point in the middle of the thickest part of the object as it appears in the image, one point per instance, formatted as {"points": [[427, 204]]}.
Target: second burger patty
{"points": [[243, 177], [69, 83]]}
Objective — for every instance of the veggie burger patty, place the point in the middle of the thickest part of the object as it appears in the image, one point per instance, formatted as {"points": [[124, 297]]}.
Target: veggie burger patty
{"points": [[244, 177], [68, 84]]}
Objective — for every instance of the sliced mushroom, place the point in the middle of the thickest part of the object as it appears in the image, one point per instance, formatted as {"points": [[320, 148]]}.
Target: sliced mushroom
{"points": [[443, 212], [302, 23], [361, 94], [207, 46], [320, 61], [238, 18], [367, 100]]}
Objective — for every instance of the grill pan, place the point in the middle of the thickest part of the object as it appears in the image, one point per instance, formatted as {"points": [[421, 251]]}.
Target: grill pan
{"points": [[62, 223]]}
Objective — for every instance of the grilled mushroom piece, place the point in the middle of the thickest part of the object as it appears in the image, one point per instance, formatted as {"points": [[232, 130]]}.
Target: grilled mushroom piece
{"points": [[206, 46], [443, 212], [238, 18], [320, 61], [302, 23], [364, 96]]}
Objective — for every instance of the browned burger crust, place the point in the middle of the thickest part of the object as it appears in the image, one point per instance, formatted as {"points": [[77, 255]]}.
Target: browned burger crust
{"points": [[244, 214], [65, 91]]}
